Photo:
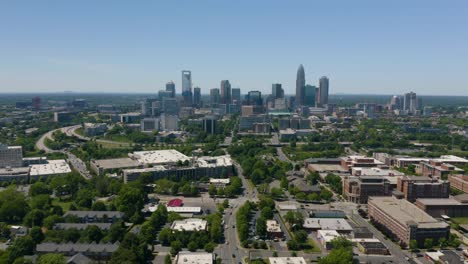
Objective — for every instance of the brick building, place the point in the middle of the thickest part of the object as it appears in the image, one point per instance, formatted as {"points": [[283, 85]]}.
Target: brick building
{"points": [[404, 221], [414, 187]]}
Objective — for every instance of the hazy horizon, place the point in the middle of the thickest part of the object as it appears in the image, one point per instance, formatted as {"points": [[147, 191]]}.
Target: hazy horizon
{"points": [[364, 47]]}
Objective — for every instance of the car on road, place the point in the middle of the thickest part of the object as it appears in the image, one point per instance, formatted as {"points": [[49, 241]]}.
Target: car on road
{"points": [[233, 255]]}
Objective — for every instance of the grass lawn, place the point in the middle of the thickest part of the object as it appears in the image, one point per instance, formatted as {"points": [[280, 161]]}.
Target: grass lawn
{"points": [[460, 220], [64, 204], [113, 145], [314, 248]]}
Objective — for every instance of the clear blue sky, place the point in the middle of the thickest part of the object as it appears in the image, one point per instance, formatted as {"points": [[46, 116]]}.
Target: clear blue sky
{"points": [[381, 47]]}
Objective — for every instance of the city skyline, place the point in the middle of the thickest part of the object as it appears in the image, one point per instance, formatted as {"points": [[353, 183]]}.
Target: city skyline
{"points": [[365, 47]]}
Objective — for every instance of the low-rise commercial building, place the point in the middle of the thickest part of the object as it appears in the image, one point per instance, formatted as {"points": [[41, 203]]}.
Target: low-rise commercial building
{"points": [[405, 221], [50, 168], [414, 187], [287, 260], [274, 229], [199, 167], [372, 248], [338, 224], [191, 224], [103, 166], [325, 237], [187, 257]]}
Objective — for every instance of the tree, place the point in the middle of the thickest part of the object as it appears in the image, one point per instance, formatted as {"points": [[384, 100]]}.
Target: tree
{"points": [[176, 246], [165, 236], [21, 247], [428, 243], [36, 234], [98, 206], [130, 200], [267, 213], [301, 236], [284, 183], [93, 233], [276, 192], [209, 247], [341, 242], [338, 256], [443, 242], [167, 259], [13, 206], [123, 255], [295, 219], [326, 194], [52, 258], [261, 227], [293, 245], [413, 244], [212, 190], [39, 188], [313, 178], [84, 198], [192, 246], [34, 218], [226, 203]]}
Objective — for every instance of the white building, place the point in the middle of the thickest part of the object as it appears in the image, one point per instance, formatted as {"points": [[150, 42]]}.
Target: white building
{"points": [[190, 224], [159, 157], [326, 236], [287, 260], [52, 167], [186, 257], [338, 224]]}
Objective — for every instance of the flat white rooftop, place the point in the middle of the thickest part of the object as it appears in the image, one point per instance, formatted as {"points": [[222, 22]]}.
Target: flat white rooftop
{"points": [[273, 226], [218, 161], [50, 168], [374, 171], [184, 209], [191, 224], [225, 181], [287, 207], [405, 212], [338, 224], [327, 235], [287, 260], [159, 156], [186, 257]]}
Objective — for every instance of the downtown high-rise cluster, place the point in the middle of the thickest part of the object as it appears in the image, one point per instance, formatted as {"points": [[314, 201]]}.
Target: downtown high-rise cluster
{"points": [[309, 95]]}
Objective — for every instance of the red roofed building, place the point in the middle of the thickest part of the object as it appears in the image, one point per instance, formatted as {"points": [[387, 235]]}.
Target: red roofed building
{"points": [[175, 203]]}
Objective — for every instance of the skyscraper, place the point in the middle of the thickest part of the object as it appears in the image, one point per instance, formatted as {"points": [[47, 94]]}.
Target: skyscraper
{"points": [[410, 102], [214, 96], [277, 91], [236, 95], [170, 87], [225, 92], [323, 90], [187, 87], [309, 95], [254, 98], [197, 96], [300, 85]]}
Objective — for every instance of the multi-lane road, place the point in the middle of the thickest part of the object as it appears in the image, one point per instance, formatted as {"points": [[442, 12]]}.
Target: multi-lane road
{"points": [[76, 162]]}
